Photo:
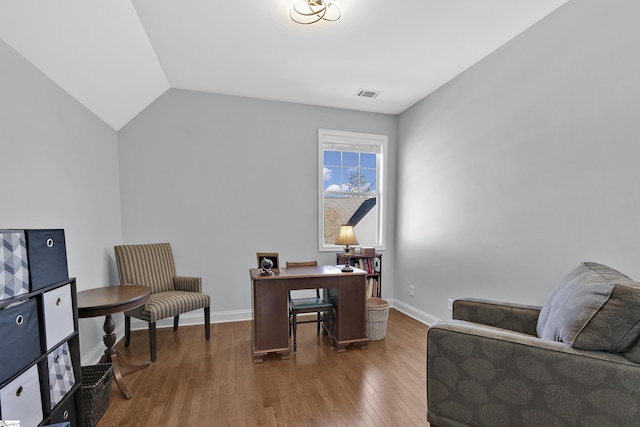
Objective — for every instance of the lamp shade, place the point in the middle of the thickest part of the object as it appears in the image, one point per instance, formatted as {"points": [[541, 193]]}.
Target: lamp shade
{"points": [[346, 236]]}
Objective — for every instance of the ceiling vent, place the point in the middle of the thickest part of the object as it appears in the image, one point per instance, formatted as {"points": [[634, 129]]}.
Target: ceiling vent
{"points": [[366, 93]]}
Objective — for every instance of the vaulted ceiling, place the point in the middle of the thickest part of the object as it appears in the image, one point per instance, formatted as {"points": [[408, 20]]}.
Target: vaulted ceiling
{"points": [[117, 56]]}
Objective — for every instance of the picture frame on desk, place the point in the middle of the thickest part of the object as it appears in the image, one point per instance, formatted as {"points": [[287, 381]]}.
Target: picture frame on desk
{"points": [[273, 256]]}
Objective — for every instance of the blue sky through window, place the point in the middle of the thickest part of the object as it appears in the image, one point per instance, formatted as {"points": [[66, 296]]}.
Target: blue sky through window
{"points": [[340, 166]]}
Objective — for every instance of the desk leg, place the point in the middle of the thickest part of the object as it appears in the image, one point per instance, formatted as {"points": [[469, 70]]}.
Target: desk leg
{"points": [[111, 356]]}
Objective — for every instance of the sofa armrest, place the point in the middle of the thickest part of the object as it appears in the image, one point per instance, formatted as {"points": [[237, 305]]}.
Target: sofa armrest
{"points": [[483, 375], [188, 283], [511, 316]]}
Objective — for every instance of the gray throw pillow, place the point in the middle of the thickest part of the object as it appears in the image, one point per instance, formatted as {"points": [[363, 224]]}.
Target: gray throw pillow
{"points": [[594, 308]]}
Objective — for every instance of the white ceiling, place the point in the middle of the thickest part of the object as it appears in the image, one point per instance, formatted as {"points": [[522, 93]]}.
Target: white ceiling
{"points": [[118, 56]]}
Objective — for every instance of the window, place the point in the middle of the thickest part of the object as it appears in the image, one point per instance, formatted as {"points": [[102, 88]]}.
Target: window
{"points": [[352, 186]]}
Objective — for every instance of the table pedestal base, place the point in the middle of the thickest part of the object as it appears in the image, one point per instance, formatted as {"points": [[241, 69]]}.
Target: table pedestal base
{"points": [[111, 356]]}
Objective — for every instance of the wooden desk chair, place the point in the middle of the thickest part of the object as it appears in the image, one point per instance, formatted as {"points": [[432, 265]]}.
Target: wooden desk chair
{"points": [[324, 309]]}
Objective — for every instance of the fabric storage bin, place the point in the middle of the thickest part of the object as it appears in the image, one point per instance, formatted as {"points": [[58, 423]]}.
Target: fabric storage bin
{"points": [[20, 399], [66, 413], [20, 337], [14, 264], [47, 254], [61, 378], [58, 315], [96, 392]]}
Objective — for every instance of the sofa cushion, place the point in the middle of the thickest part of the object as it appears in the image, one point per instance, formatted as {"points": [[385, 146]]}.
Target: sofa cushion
{"points": [[593, 308], [633, 353]]}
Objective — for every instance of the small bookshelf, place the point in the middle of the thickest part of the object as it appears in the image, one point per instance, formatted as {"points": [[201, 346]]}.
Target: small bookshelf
{"points": [[372, 264]]}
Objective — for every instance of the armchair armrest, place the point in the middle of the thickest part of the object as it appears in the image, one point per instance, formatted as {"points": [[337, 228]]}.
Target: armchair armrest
{"points": [[510, 316], [188, 283], [478, 375]]}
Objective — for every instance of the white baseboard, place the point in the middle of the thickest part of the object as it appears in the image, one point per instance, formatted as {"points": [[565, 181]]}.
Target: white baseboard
{"points": [[197, 318], [420, 316], [191, 318], [94, 355]]}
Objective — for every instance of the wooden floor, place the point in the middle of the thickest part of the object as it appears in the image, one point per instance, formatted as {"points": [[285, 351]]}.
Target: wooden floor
{"points": [[195, 382]]}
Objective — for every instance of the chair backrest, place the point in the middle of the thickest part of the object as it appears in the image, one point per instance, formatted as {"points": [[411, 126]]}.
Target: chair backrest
{"points": [[149, 265], [292, 264], [302, 264]]}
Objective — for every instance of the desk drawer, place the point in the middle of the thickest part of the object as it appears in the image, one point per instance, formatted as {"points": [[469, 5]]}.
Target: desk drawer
{"points": [[58, 315], [20, 338], [21, 400], [14, 264], [47, 254]]}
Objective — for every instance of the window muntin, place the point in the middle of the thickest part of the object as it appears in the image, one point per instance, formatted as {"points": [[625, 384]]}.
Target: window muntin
{"points": [[351, 170]]}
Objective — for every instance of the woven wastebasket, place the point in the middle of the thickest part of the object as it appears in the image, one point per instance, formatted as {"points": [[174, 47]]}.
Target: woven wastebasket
{"points": [[377, 316], [96, 392]]}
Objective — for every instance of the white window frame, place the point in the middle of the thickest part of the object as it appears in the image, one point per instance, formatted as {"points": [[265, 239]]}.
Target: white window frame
{"points": [[354, 141]]}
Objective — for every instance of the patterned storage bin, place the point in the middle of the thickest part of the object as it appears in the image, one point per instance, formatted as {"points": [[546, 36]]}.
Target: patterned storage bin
{"points": [[14, 264], [61, 377]]}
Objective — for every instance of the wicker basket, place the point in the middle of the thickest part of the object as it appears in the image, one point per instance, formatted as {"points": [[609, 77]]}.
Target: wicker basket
{"points": [[96, 392], [377, 316]]}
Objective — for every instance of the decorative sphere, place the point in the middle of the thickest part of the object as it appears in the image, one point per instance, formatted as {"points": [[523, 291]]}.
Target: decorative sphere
{"points": [[266, 264]]}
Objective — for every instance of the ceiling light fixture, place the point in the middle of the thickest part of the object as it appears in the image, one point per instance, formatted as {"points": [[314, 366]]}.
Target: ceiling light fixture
{"points": [[312, 11]]}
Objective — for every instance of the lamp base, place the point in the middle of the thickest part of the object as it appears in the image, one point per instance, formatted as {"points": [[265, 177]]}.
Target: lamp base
{"points": [[347, 260]]}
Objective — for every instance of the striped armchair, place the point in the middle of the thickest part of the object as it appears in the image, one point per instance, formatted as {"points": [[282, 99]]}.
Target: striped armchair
{"points": [[152, 265]]}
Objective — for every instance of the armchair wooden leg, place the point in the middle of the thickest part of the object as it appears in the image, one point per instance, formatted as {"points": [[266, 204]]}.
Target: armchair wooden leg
{"points": [[152, 340], [127, 330], [207, 322], [175, 322]]}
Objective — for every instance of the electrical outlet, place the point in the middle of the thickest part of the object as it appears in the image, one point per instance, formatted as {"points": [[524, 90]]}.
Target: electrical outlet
{"points": [[450, 304], [412, 290]]}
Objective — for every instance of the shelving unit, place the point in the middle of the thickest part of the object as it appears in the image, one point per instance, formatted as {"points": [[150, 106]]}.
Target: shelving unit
{"points": [[40, 377], [372, 264]]}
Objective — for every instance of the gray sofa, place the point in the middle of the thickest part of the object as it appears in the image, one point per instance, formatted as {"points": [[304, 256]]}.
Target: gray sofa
{"points": [[572, 362]]}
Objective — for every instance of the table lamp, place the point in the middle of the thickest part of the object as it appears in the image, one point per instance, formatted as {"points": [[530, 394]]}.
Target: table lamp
{"points": [[347, 237]]}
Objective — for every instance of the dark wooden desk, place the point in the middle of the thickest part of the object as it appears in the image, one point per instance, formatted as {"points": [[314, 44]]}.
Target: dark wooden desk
{"points": [[270, 329], [105, 302]]}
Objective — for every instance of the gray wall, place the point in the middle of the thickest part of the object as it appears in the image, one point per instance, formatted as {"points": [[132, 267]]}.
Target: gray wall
{"points": [[59, 169], [525, 165], [224, 177]]}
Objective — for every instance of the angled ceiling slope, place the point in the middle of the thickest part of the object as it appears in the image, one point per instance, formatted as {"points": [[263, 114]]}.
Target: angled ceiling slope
{"points": [[117, 57]]}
